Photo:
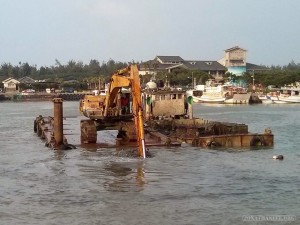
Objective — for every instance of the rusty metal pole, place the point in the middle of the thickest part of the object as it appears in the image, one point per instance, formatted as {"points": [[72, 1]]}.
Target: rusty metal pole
{"points": [[190, 107], [58, 121], [147, 103], [190, 111]]}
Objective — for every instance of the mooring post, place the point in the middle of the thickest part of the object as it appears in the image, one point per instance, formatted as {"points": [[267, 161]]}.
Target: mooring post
{"points": [[58, 121]]}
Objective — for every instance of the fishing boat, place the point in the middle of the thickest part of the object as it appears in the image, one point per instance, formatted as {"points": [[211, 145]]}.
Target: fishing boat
{"points": [[219, 93], [289, 95], [196, 93], [214, 94], [266, 99], [209, 93]]}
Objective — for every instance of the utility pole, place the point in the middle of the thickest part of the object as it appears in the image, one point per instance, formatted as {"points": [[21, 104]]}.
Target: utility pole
{"points": [[253, 79], [193, 82]]}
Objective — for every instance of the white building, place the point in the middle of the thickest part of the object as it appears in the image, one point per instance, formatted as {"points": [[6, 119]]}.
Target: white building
{"points": [[11, 84]]}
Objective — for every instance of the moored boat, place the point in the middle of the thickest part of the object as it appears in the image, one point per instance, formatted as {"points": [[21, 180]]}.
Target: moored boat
{"points": [[214, 95], [196, 93], [289, 94], [284, 95]]}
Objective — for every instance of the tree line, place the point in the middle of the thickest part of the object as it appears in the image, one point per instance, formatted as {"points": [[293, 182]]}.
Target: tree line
{"points": [[275, 75], [58, 72], [95, 72]]}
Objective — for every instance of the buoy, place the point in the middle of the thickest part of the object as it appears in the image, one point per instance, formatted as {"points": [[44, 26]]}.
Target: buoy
{"points": [[280, 157]]}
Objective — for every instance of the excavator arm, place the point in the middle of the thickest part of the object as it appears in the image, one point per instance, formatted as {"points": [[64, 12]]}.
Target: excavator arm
{"points": [[129, 77]]}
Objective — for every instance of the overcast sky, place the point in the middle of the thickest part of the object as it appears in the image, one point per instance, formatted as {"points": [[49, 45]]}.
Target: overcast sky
{"points": [[40, 31]]}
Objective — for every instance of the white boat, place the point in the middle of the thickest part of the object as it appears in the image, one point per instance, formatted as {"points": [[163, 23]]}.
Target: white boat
{"points": [[213, 94], [289, 94], [216, 93], [196, 93], [267, 99], [276, 100], [208, 94]]}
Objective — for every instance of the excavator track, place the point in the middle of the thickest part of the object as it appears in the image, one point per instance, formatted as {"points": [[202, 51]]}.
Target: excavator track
{"points": [[88, 131], [127, 132]]}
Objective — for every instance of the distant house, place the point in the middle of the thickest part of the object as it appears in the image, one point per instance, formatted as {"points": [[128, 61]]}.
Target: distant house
{"points": [[11, 85], [170, 63], [213, 68], [160, 63], [27, 80]]}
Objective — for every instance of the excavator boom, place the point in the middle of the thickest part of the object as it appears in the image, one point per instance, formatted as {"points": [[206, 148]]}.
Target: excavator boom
{"points": [[129, 77], [107, 110]]}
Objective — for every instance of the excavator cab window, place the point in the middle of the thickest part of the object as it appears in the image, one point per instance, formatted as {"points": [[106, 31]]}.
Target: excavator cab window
{"points": [[125, 103]]}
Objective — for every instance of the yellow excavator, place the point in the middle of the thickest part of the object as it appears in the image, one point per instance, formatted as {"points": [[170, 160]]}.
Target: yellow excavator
{"points": [[116, 110]]}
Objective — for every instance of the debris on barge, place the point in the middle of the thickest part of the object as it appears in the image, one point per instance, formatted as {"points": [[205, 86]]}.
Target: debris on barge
{"points": [[168, 113], [143, 119]]}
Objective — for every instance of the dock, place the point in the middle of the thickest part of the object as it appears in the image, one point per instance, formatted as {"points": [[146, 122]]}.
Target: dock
{"points": [[246, 98]]}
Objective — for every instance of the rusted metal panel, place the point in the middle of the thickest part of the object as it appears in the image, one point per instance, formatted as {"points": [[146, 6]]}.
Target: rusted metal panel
{"points": [[203, 133], [234, 140]]}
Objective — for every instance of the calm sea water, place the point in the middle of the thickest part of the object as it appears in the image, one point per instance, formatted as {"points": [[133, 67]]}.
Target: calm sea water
{"points": [[184, 185]]}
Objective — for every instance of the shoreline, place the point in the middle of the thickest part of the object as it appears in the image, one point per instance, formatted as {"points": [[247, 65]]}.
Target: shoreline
{"points": [[42, 96]]}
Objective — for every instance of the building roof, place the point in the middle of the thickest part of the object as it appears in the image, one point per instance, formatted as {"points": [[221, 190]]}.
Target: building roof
{"points": [[9, 80], [27, 80], [234, 48], [205, 65], [250, 66], [170, 58], [154, 65], [6, 80]]}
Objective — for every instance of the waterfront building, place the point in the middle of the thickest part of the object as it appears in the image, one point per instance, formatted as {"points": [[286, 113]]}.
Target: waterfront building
{"points": [[235, 60], [11, 85], [170, 63]]}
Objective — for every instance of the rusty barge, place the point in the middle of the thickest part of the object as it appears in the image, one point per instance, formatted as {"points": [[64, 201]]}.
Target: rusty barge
{"points": [[170, 128], [145, 119]]}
